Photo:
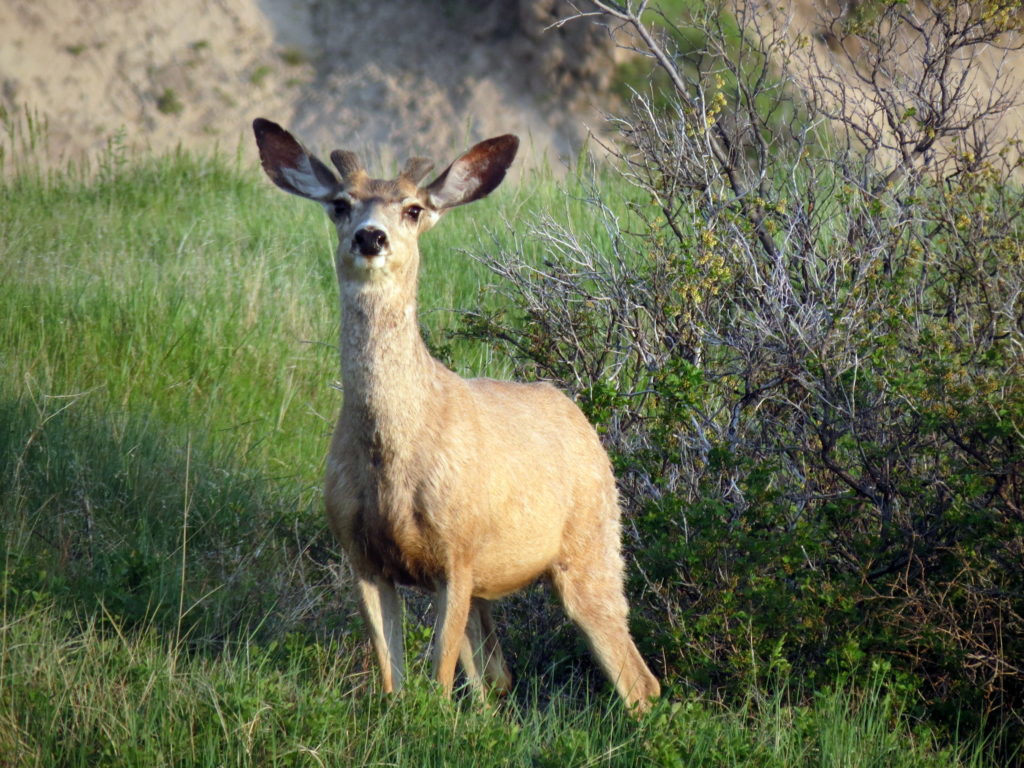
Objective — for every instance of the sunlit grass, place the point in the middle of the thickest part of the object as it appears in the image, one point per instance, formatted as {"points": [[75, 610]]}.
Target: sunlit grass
{"points": [[168, 334], [83, 692]]}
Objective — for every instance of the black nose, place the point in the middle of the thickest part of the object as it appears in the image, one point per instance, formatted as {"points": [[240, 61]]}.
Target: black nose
{"points": [[370, 241]]}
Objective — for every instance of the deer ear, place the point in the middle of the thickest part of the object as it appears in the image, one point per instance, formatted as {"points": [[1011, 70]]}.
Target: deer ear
{"points": [[474, 175], [290, 166]]}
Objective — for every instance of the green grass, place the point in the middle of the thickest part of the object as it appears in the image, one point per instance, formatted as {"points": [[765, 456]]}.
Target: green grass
{"points": [[84, 692], [182, 290], [167, 347], [168, 340]]}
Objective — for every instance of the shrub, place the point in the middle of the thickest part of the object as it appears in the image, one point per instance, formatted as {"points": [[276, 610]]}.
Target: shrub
{"points": [[169, 103], [803, 341]]}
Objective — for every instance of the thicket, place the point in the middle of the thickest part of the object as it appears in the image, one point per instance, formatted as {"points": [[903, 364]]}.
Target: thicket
{"points": [[805, 345]]}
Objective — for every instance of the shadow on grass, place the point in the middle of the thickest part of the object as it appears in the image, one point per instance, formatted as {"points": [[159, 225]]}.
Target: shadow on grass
{"points": [[150, 525], [124, 517]]}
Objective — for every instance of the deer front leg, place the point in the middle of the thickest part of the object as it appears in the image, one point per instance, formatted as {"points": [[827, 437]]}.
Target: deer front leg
{"points": [[382, 610], [454, 597]]}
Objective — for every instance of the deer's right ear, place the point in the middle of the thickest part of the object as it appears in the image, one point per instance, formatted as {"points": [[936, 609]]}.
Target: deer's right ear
{"points": [[290, 166]]}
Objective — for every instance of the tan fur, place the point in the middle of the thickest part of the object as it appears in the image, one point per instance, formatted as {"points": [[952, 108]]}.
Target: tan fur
{"points": [[470, 488]]}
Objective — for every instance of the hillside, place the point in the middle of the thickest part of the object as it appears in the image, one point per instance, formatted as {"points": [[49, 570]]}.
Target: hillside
{"points": [[400, 76], [386, 78]]}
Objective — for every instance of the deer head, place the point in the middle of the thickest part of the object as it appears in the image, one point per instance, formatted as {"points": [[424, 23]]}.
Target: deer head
{"points": [[379, 221]]}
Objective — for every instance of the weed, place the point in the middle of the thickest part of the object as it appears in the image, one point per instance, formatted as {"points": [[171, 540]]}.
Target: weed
{"points": [[294, 57], [259, 74], [169, 103]]}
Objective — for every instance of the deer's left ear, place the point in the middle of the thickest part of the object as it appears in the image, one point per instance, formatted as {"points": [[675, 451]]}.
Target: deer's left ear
{"points": [[474, 175], [290, 166]]}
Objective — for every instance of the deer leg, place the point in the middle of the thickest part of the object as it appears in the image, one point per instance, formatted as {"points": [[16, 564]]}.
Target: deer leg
{"points": [[495, 669], [382, 611], [480, 652], [454, 598], [592, 594], [471, 654]]}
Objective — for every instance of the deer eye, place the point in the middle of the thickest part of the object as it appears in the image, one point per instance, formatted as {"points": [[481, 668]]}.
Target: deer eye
{"points": [[413, 213], [341, 207]]}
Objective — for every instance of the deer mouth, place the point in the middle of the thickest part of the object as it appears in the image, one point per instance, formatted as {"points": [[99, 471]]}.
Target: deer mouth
{"points": [[369, 261]]}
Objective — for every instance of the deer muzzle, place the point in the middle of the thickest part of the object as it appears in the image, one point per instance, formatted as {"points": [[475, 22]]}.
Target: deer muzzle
{"points": [[370, 241]]}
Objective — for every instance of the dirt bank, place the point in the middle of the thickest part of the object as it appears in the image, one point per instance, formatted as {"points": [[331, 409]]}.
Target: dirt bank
{"points": [[382, 77]]}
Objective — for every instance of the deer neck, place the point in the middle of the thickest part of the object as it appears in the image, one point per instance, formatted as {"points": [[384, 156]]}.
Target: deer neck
{"points": [[386, 369]]}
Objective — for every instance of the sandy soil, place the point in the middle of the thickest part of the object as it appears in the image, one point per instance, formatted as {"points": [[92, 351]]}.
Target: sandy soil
{"points": [[384, 78], [387, 78]]}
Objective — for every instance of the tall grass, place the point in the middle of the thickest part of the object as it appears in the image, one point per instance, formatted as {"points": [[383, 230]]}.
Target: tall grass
{"points": [[168, 339], [167, 347], [80, 692]]}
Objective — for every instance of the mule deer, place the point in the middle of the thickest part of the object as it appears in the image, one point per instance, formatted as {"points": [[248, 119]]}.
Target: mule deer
{"points": [[472, 488]]}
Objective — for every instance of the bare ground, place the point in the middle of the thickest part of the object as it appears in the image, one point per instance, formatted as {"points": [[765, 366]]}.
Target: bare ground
{"points": [[385, 78]]}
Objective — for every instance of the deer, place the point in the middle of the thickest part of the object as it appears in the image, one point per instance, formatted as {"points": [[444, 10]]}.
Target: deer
{"points": [[467, 488]]}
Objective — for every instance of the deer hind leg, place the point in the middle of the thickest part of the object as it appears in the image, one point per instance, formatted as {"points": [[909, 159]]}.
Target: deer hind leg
{"points": [[382, 610], [592, 593], [480, 653]]}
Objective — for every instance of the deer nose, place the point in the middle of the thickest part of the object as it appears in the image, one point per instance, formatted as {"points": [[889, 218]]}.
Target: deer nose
{"points": [[370, 241]]}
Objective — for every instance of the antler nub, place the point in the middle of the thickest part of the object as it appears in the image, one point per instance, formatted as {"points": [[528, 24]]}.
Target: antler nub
{"points": [[415, 169], [347, 164]]}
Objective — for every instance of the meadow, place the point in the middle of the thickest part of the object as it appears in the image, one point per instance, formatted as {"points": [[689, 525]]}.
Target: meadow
{"points": [[168, 364]]}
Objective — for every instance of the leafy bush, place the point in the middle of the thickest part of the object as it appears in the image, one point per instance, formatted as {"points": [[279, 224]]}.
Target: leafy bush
{"points": [[804, 342]]}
